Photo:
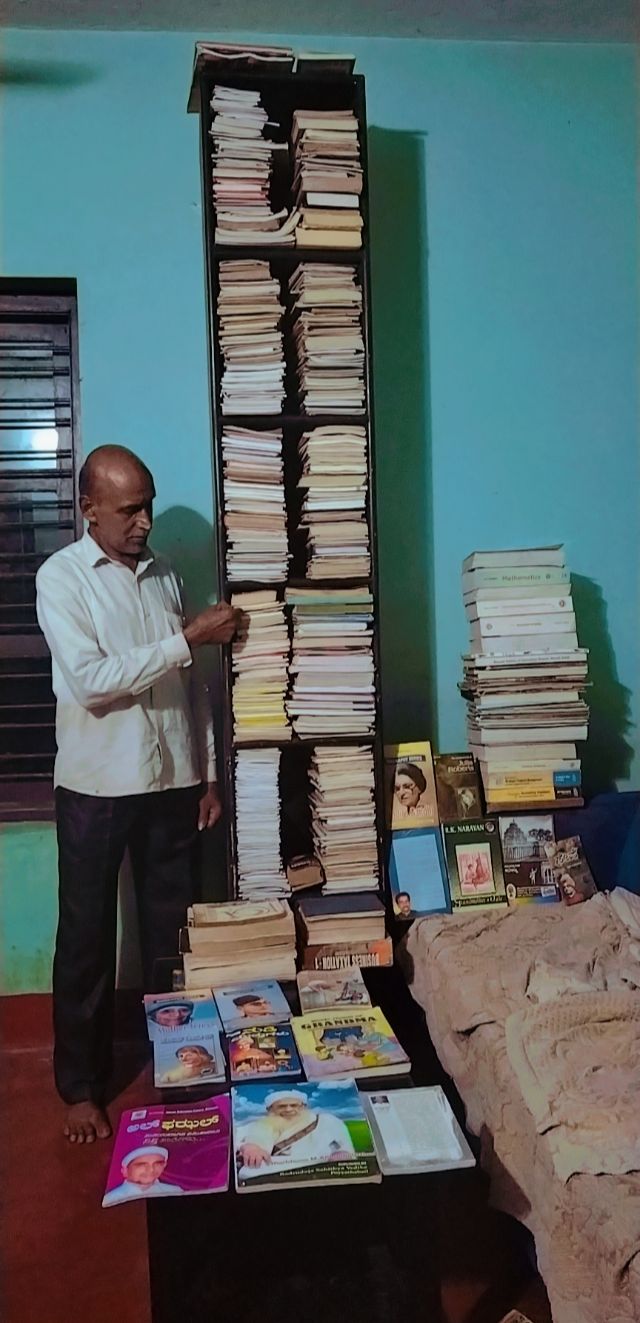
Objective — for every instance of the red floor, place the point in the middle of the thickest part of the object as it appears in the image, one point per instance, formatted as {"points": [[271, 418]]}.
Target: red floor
{"points": [[67, 1260]]}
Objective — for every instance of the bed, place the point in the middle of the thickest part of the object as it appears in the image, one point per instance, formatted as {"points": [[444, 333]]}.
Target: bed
{"points": [[535, 1013]]}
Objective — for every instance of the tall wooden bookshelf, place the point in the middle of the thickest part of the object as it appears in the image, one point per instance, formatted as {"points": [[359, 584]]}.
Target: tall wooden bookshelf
{"points": [[282, 93]]}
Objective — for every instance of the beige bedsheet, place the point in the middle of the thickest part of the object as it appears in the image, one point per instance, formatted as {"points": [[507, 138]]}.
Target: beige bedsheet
{"points": [[470, 973]]}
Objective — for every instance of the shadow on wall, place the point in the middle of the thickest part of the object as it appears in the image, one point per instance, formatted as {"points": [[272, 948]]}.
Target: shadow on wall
{"points": [[403, 433], [607, 755]]}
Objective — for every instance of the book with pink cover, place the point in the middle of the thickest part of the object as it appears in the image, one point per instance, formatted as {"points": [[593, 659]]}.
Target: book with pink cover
{"points": [[176, 1150]]}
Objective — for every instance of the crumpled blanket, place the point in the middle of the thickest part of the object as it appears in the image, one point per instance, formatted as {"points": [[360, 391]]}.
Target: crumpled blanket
{"points": [[577, 1060]]}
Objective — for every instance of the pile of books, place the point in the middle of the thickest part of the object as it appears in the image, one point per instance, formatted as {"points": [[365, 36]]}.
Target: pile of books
{"points": [[337, 932], [242, 167], [250, 316], [524, 678], [327, 178], [329, 345], [333, 515], [332, 690], [237, 942], [343, 820], [254, 506], [185, 1032], [259, 656], [259, 856]]}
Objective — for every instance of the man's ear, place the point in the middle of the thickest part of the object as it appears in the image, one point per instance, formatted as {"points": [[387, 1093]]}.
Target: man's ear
{"points": [[87, 510]]}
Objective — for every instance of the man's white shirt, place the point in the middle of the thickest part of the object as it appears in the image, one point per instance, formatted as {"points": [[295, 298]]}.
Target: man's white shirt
{"points": [[130, 718]]}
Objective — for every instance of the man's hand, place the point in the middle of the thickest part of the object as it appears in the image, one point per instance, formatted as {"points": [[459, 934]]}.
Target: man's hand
{"points": [[209, 808], [216, 624], [252, 1155]]}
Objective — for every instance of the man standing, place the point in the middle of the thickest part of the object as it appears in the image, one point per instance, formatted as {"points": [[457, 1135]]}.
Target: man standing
{"points": [[135, 765]]}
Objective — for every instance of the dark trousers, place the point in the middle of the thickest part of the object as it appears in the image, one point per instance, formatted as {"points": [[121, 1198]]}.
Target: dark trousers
{"points": [[160, 831]]}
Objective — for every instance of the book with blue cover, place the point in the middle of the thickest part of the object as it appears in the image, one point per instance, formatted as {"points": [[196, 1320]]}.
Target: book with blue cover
{"points": [[418, 873], [261, 1051]]}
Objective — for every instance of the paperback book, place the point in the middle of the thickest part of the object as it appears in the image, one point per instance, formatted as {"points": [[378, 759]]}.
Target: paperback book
{"points": [[415, 1130], [528, 872], [313, 1134], [176, 1150], [410, 786], [474, 863], [179, 1065], [360, 1043], [340, 989], [345, 955], [261, 1051], [457, 787], [572, 874], [176, 1016], [245, 1004], [418, 873]]}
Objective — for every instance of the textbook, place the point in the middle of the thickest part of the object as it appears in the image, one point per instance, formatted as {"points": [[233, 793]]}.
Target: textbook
{"points": [[176, 1150], [259, 1051], [242, 1005], [307, 1134], [415, 1130], [335, 988], [474, 863], [360, 1043]]}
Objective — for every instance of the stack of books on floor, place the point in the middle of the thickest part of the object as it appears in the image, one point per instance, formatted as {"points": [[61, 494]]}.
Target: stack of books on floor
{"points": [[259, 661], [327, 178], [337, 931], [242, 167], [524, 678], [238, 942], [255, 516], [333, 515], [185, 1031], [332, 690], [250, 316], [343, 820], [329, 344], [261, 873]]}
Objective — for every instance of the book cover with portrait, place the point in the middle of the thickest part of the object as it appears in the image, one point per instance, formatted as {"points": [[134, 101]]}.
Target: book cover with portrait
{"points": [[242, 1005], [180, 1016], [176, 1150], [418, 874], [360, 1043], [264, 1050], [410, 788], [474, 863]]}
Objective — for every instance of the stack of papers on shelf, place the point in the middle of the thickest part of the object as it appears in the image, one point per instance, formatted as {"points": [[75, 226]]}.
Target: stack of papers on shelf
{"points": [[250, 315], [332, 691], [329, 344], [242, 166], [259, 657], [254, 506], [524, 677], [327, 171], [239, 942], [334, 480], [416, 1130], [343, 818], [259, 857]]}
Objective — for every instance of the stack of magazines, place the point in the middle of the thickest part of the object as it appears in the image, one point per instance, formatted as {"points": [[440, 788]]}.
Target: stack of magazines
{"points": [[327, 178], [329, 345], [260, 868], [343, 820], [332, 691], [259, 658], [250, 316], [242, 167], [254, 505], [333, 515]]}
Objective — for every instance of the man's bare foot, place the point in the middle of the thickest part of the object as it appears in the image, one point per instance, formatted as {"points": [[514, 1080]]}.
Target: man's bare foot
{"points": [[85, 1121]]}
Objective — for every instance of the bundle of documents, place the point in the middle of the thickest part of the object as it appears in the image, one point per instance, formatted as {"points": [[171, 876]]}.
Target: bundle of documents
{"points": [[332, 690], [239, 942], [343, 819], [259, 857], [333, 515], [328, 338], [255, 513], [327, 178], [242, 167], [524, 677], [259, 657], [250, 316]]}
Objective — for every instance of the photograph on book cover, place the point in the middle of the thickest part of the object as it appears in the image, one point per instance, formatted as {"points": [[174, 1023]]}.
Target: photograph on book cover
{"points": [[418, 873], [284, 1133], [179, 1150], [410, 786], [475, 868]]}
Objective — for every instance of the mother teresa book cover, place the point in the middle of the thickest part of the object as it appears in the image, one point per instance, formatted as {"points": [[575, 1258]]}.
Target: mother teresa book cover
{"points": [[360, 1043], [177, 1150], [304, 1134]]}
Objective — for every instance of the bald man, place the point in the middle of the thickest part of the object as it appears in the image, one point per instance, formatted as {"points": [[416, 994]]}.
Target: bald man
{"points": [[135, 766]]}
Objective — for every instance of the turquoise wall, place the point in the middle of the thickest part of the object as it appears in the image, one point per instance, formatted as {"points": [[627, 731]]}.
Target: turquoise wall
{"points": [[505, 283]]}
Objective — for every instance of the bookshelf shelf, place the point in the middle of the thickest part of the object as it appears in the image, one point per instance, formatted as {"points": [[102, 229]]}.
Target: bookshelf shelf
{"points": [[281, 93]]}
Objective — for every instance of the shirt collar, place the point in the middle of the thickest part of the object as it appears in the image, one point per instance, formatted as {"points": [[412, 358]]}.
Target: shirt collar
{"points": [[96, 556]]}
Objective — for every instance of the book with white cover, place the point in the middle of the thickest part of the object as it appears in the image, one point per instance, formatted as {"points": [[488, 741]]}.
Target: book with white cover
{"points": [[415, 1130], [537, 556]]}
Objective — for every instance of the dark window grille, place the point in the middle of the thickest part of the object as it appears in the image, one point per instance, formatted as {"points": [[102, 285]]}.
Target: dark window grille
{"points": [[39, 447]]}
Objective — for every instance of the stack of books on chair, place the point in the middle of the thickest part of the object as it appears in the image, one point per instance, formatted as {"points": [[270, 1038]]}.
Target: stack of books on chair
{"points": [[238, 941], [329, 344], [327, 178], [260, 869], [337, 931], [250, 315], [254, 505], [332, 690], [333, 515], [242, 167], [524, 678], [343, 821], [259, 658]]}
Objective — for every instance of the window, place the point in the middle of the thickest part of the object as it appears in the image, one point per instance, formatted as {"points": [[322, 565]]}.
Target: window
{"points": [[39, 448]]}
